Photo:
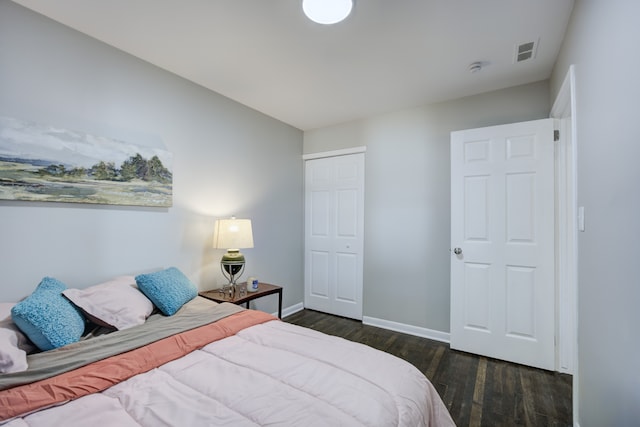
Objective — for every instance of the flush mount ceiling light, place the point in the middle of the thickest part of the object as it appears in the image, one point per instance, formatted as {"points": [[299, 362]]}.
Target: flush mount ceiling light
{"points": [[327, 11]]}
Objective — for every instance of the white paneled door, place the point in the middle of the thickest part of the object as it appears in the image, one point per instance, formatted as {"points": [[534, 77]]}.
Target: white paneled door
{"points": [[334, 228], [502, 242]]}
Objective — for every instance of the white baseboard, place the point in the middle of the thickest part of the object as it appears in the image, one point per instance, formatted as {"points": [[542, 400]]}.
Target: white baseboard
{"points": [[288, 311], [385, 324], [407, 329]]}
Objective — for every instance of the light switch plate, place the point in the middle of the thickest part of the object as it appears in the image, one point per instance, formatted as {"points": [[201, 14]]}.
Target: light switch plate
{"points": [[581, 218]]}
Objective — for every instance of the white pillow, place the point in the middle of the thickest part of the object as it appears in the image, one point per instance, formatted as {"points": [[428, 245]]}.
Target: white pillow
{"points": [[117, 303], [14, 345]]}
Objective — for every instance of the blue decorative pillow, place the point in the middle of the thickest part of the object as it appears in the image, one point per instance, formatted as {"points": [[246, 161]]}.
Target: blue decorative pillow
{"points": [[48, 318], [168, 289]]}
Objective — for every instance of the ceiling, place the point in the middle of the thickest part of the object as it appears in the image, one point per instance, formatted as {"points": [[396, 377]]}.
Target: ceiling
{"points": [[387, 55]]}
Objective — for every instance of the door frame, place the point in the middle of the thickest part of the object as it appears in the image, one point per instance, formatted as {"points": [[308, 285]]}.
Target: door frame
{"points": [[334, 153], [564, 110]]}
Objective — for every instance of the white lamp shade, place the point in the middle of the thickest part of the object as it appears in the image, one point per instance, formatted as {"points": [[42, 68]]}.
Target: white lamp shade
{"points": [[233, 234]]}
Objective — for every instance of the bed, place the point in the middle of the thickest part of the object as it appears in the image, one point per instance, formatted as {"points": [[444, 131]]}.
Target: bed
{"points": [[211, 364]]}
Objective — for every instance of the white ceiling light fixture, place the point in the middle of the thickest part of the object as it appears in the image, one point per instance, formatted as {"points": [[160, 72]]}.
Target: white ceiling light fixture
{"points": [[327, 12]]}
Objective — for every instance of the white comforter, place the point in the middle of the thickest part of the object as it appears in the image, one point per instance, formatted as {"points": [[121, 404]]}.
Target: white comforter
{"points": [[273, 374]]}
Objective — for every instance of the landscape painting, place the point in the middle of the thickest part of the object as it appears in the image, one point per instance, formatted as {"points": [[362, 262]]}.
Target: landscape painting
{"points": [[48, 164]]}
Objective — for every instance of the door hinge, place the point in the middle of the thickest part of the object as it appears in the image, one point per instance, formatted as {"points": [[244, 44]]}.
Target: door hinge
{"points": [[556, 135]]}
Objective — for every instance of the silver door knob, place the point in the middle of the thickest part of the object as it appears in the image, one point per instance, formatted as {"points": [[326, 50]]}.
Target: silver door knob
{"points": [[457, 251]]}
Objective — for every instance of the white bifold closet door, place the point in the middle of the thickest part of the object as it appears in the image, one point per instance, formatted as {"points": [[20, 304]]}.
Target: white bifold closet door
{"points": [[334, 228]]}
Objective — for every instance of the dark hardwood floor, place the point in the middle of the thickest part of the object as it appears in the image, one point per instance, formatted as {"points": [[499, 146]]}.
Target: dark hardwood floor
{"points": [[478, 391]]}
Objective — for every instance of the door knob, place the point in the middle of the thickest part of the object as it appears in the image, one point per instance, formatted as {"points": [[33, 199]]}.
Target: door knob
{"points": [[457, 251]]}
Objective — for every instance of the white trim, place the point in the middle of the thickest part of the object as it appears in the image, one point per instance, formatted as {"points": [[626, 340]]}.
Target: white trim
{"points": [[343, 152], [562, 104], [565, 225], [564, 108], [407, 329], [288, 311], [566, 220]]}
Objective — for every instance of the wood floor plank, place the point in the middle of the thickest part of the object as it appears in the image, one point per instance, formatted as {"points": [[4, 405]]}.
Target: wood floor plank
{"points": [[477, 391], [435, 362], [528, 399]]}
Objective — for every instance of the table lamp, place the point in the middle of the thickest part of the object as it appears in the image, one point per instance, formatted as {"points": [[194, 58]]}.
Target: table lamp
{"points": [[232, 234]]}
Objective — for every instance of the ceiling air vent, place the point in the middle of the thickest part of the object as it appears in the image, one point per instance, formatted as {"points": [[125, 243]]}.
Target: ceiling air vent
{"points": [[525, 51]]}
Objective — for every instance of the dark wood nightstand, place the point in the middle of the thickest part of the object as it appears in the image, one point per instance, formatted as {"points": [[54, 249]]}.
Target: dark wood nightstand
{"points": [[264, 289]]}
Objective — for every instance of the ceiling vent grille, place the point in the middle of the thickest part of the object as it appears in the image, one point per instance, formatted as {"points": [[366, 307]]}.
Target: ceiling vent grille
{"points": [[525, 51]]}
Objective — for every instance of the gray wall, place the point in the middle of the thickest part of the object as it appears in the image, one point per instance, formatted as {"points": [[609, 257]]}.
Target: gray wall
{"points": [[407, 205], [602, 43], [228, 159]]}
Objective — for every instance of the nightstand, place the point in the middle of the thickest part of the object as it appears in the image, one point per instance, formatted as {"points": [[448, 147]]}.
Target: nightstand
{"points": [[264, 289]]}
